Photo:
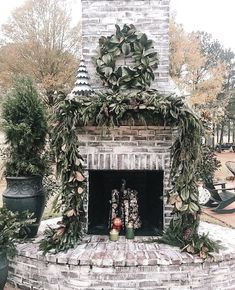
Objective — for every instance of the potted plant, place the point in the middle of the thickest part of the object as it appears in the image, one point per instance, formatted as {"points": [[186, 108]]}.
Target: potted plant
{"points": [[25, 128], [11, 224]]}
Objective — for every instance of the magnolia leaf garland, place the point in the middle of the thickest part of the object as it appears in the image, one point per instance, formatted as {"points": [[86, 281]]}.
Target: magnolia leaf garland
{"points": [[71, 172], [131, 46], [154, 108], [109, 108]]}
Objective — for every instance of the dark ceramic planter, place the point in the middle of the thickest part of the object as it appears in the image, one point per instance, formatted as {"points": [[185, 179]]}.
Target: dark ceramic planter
{"points": [[3, 269], [26, 193]]}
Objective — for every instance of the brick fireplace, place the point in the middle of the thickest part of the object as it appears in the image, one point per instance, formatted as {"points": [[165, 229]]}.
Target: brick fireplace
{"points": [[140, 154]]}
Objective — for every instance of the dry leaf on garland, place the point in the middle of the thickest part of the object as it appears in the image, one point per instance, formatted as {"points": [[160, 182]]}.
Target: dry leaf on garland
{"points": [[172, 198], [79, 176], [190, 249], [63, 147], [60, 231], [71, 212], [203, 254], [178, 203], [80, 190]]}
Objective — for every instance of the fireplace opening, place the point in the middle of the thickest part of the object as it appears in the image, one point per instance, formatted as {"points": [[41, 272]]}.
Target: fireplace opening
{"points": [[145, 185]]}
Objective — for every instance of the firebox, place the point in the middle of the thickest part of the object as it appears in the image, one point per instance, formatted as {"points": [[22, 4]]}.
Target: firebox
{"points": [[148, 188]]}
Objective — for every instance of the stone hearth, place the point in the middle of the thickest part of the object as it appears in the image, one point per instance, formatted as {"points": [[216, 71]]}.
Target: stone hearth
{"points": [[140, 264]]}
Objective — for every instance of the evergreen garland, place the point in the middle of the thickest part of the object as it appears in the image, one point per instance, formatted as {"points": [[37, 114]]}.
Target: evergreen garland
{"points": [[71, 172]]}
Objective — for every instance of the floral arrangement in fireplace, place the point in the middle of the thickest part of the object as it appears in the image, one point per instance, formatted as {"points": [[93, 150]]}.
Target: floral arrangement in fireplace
{"points": [[116, 106]]}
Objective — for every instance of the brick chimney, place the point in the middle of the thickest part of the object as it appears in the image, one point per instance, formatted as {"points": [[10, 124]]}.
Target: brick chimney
{"points": [[149, 16]]}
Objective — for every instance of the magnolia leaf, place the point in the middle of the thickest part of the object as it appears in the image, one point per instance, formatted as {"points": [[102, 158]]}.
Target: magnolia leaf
{"points": [[138, 47], [174, 114], [184, 207], [184, 193], [190, 249], [193, 207], [116, 52], [132, 38], [118, 29], [107, 58], [112, 105], [108, 71], [203, 254], [114, 39], [141, 107], [194, 196], [153, 62], [144, 39], [60, 231], [178, 203], [144, 61], [80, 190], [151, 53], [205, 249], [172, 199], [77, 161], [79, 176], [119, 72], [149, 44], [71, 178], [71, 213], [99, 62], [126, 48], [151, 108]]}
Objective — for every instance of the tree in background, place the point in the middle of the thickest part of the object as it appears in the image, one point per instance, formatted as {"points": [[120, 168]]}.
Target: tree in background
{"points": [[194, 69], [204, 70], [40, 41]]}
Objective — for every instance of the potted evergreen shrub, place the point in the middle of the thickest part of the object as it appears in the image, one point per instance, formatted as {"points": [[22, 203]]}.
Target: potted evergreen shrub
{"points": [[25, 128], [11, 224]]}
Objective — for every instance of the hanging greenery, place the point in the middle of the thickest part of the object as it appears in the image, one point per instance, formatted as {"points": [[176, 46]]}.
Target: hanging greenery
{"points": [[116, 107], [70, 170], [131, 46]]}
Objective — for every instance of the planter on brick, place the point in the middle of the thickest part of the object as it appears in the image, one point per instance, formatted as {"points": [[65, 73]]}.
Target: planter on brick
{"points": [[26, 194]]}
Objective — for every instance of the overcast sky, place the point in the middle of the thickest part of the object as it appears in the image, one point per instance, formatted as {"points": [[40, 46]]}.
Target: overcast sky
{"points": [[214, 16], [6, 6]]}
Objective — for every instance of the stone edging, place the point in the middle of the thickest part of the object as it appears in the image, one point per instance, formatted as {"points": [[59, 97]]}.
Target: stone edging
{"points": [[100, 264]]}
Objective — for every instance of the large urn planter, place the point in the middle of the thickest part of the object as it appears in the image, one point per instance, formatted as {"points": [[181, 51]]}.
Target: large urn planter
{"points": [[3, 269], [26, 194]]}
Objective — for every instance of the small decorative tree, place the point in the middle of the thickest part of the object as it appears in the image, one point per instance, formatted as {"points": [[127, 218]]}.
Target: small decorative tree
{"points": [[25, 127]]}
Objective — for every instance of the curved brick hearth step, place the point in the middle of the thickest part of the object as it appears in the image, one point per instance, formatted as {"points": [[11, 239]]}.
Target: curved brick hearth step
{"points": [[98, 263]]}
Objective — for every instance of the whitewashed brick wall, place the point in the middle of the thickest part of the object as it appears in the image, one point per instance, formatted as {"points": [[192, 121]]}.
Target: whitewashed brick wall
{"points": [[149, 16], [128, 148]]}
